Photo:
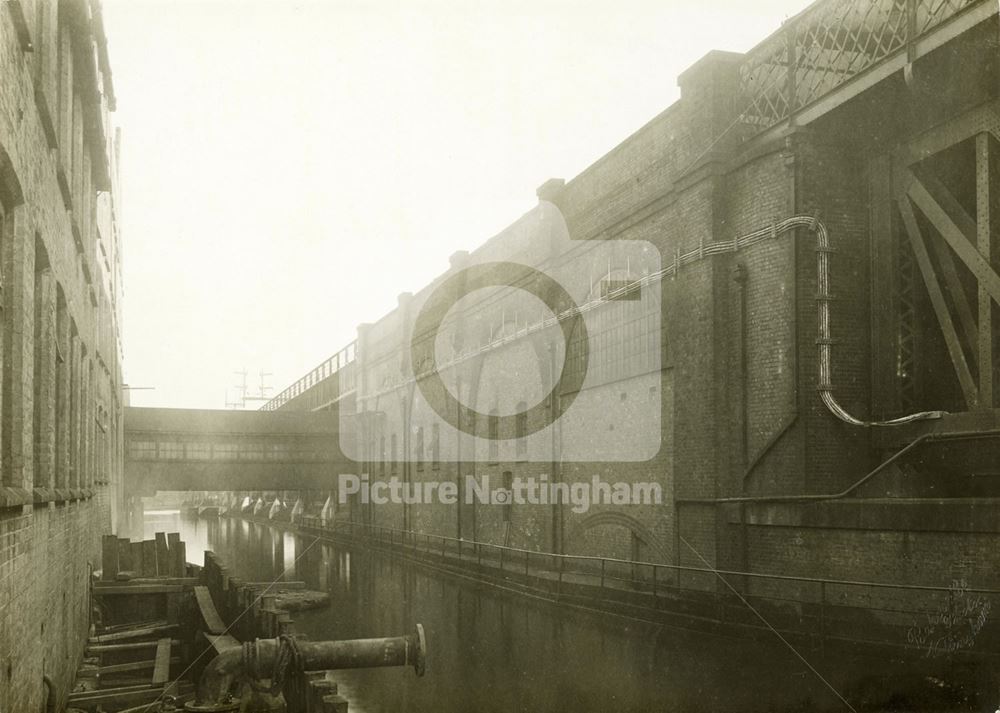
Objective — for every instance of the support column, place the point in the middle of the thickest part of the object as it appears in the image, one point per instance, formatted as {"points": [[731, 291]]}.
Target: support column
{"points": [[983, 242]]}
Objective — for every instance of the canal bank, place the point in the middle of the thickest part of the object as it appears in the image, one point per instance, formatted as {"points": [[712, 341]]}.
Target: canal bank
{"points": [[497, 649]]}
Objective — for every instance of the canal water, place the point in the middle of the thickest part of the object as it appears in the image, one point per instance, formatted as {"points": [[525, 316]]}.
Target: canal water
{"points": [[494, 651]]}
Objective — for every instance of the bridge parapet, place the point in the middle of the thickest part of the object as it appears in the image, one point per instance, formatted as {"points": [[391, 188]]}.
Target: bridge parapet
{"points": [[192, 449], [834, 43]]}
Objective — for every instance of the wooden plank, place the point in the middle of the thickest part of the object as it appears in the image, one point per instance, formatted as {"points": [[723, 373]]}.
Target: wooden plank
{"points": [[138, 665], [162, 565], [173, 540], [124, 555], [109, 558], [130, 588], [938, 302], [120, 698], [279, 586], [98, 649], [132, 634], [209, 614], [984, 243], [161, 672], [137, 557], [149, 558], [179, 553], [180, 581]]}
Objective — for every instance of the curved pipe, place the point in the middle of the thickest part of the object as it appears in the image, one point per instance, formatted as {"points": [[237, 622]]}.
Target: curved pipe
{"points": [[256, 660], [50, 694], [915, 443]]}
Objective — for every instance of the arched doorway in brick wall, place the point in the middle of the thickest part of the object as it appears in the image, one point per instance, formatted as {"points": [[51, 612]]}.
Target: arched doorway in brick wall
{"points": [[643, 544]]}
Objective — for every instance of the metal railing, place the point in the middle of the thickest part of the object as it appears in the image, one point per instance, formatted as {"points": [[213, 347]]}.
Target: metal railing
{"points": [[328, 368], [827, 45], [931, 620]]}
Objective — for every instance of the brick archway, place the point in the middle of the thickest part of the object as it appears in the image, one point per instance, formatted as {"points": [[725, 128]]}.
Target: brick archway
{"points": [[620, 519]]}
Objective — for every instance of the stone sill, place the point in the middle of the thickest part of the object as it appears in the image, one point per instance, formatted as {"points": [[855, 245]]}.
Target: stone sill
{"points": [[16, 497]]}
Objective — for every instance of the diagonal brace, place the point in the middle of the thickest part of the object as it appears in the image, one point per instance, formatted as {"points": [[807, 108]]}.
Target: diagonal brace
{"points": [[940, 306]]}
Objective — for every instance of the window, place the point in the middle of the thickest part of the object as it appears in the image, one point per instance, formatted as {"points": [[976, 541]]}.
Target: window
{"points": [[419, 450], [436, 447], [252, 450], [141, 450], [225, 451], [393, 461], [170, 450], [508, 485], [198, 450], [494, 435], [278, 451], [381, 455], [521, 431]]}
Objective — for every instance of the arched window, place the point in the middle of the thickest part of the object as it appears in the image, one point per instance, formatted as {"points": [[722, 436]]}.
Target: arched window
{"points": [[521, 431], [508, 484], [494, 435]]}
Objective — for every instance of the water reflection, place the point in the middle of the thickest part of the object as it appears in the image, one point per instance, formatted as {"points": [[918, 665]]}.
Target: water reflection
{"points": [[490, 651]]}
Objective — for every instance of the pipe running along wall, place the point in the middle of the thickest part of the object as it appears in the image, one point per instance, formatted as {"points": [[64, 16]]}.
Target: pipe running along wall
{"points": [[823, 298]]}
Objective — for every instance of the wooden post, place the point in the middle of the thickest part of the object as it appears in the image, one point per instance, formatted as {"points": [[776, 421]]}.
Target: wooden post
{"points": [[109, 558], [172, 539], [149, 558], [125, 555], [137, 557], [162, 563], [179, 553]]}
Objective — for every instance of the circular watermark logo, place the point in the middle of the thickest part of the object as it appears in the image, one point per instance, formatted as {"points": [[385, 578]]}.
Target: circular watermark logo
{"points": [[423, 347]]}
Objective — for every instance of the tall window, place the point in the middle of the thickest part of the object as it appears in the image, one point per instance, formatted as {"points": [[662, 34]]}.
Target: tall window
{"points": [[508, 484], [436, 446], [494, 435], [521, 431], [381, 454], [393, 460], [419, 449]]}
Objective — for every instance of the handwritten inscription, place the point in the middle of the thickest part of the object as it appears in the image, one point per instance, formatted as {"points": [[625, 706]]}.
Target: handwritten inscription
{"points": [[955, 628]]}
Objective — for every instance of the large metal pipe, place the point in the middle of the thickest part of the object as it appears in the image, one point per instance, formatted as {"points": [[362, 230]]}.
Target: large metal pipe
{"points": [[256, 660]]}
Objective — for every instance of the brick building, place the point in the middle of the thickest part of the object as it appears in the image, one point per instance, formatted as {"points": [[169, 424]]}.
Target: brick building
{"points": [[61, 393], [881, 134]]}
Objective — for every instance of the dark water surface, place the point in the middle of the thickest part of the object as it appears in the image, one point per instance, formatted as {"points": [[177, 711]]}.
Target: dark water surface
{"points": [[492, 651]]}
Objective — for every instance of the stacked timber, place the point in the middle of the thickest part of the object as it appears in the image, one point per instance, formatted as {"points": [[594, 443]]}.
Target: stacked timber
{"points": [[141, 599]]}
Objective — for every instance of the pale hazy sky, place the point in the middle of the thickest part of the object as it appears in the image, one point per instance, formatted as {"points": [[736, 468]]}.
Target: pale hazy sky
{"points": [[290, 167]]}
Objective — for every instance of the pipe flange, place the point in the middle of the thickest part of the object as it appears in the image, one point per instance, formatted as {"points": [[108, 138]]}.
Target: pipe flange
{"points": [[420, 655]]}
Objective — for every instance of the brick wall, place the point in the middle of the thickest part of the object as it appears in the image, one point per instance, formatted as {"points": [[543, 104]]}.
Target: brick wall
{"points": [[60, 445], [741, 415]]}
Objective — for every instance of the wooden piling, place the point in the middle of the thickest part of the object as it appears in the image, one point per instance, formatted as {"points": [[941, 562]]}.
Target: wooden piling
{"points": [[162, 561], [149, 558], [109, 558]]}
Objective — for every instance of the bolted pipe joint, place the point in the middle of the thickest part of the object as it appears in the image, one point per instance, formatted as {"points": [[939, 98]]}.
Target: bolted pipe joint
{"points": [[258, 660]]}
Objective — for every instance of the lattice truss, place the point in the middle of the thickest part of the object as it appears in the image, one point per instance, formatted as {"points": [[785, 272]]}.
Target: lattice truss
{"points": [[941, 248], [826, 46]]}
